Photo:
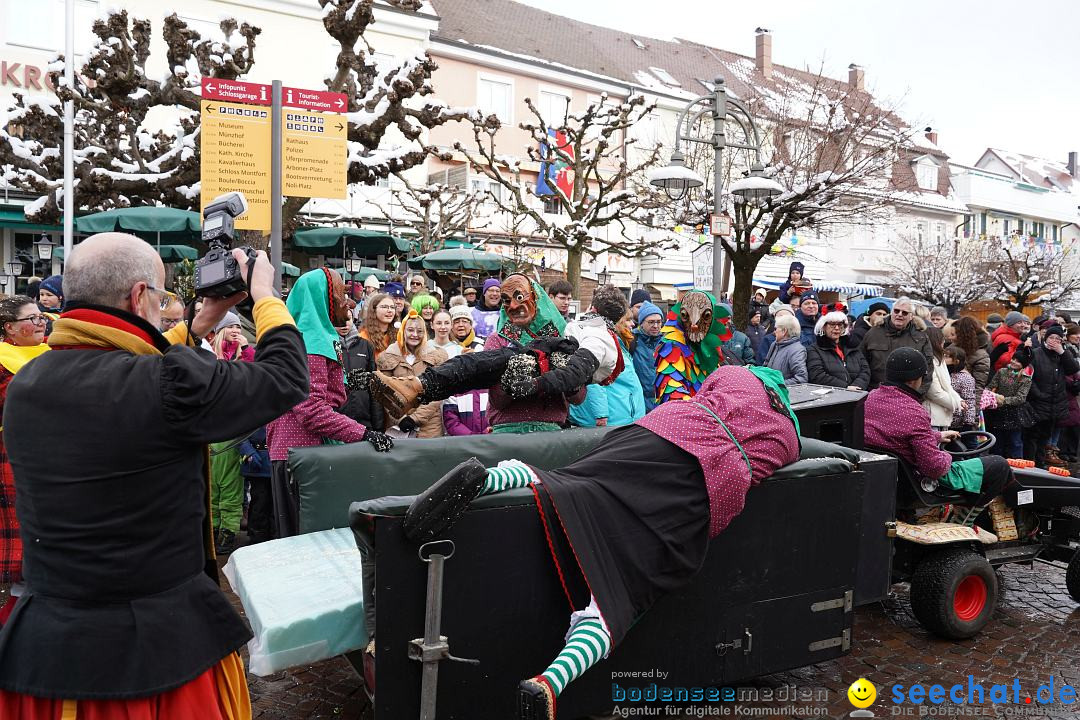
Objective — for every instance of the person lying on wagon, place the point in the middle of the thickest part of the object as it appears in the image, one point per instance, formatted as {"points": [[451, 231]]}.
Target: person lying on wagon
{"points": [[631, 520], [534, 365], [897, 422]]}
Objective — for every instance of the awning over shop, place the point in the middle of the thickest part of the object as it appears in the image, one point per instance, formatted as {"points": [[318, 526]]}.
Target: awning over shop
{"points": [[17, 220], [826, 286]]}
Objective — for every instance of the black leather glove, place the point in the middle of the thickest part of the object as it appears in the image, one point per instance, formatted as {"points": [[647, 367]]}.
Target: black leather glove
{"points": [[549, 345], [358, 379], [380, 441], [519, 379], [408, 423]]}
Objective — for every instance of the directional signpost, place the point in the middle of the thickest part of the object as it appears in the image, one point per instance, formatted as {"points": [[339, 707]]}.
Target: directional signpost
{"points": [[314, 144], [236, 146], [268, 141]]}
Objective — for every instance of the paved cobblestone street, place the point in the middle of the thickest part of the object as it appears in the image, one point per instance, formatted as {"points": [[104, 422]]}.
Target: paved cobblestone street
{"points": [[1035, 634]]}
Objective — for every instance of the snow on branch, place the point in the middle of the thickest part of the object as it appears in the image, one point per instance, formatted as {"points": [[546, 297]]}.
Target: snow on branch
{"points": [[587, 167]]}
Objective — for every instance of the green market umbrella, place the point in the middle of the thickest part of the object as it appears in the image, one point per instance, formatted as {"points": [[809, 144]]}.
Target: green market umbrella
{"points": [[363, 242], [458, 259], [148, 219], [168, 253], [289, 270], [151, 223]]}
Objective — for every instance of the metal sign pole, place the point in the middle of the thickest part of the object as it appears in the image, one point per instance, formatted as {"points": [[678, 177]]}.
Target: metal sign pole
{"points": [[69, 129], [275, 182]]}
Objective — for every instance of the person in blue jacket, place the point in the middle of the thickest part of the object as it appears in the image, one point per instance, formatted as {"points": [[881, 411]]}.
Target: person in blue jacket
{"points": [[255, 467], [795, 274], [650, 321], [807, 315], [738, 350], [620, 403]]}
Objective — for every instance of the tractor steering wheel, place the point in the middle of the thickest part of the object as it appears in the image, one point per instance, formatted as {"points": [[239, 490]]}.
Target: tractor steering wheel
{"points": [[960, 451]]}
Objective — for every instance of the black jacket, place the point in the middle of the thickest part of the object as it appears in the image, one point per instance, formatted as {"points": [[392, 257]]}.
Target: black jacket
{"points": [[1048, 397], [359, 405], [824, 366], [882, 339], [858, 331], [120, 602]]}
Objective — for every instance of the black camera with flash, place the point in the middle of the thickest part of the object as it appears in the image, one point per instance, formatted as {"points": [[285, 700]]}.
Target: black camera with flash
{"points": [[217, 274]]}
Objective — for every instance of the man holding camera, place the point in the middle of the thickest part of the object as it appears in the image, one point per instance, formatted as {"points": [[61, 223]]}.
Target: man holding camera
{"points": [[123, 616]]}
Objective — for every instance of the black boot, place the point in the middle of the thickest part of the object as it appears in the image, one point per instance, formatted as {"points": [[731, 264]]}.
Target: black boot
{"points": [[536, 700], [435, 510], [471, 371]]}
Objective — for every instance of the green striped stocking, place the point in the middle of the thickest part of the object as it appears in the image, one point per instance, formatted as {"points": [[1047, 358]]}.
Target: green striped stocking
{"points": [[508, 475], [587, 643]]}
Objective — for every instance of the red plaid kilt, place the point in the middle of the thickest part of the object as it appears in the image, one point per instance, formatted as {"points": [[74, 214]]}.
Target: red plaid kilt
{"points": [[10, 542]]}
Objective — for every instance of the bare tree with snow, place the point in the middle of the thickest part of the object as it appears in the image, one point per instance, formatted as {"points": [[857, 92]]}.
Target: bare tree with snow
{"points": [[119, 160], [590, 147], [122, 160], [436, 212], [950, 272], [1024, 275], [830, 146]]}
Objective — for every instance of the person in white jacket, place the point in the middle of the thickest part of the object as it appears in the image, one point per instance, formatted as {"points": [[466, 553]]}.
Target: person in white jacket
{"points": [[941, 401]]}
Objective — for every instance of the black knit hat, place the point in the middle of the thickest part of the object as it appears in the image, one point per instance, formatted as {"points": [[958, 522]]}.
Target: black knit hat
{"points": [[640, 295], [874, 307], [905, 364], [1055, 330]]}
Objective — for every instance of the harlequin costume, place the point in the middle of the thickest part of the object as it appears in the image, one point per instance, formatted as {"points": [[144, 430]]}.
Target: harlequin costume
{"points": [[631, 521], [689, 348]]}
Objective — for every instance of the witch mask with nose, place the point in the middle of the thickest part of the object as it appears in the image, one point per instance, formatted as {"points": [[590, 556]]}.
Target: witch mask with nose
{"points": [[518, 300]]}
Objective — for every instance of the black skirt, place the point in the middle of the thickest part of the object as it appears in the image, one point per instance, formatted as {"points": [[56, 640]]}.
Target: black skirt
{"points": [[627, 523], [286, 500]]}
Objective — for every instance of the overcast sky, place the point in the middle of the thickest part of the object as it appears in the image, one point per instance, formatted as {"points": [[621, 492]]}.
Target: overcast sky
{"points": [[995, 73]]}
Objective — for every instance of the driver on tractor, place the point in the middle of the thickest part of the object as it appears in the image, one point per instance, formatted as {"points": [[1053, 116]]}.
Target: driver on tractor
{"points": [[897, 423]]}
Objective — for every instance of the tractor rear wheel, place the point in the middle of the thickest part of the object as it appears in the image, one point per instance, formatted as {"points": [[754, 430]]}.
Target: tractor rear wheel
{"points": [[1072, 576], [954, 592]]}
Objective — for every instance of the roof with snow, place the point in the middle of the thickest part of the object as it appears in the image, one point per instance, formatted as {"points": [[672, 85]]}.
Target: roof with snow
{"points": [[1030, 169], [677, 68]]}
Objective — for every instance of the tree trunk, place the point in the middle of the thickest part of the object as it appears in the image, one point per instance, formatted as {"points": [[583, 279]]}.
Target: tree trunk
{"points": [[573, 270], [744, 287]]}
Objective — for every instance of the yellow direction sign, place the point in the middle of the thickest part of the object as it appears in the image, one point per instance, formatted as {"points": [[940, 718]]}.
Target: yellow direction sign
{"points": [[314, 154], [235, 148]]}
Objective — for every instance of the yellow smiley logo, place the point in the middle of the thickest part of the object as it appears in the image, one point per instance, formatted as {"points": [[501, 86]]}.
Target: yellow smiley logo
{"points": [[862, 693]]}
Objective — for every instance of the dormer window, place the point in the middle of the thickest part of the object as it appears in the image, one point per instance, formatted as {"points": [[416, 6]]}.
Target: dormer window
{"points": [[926, 173], [664, 76]]}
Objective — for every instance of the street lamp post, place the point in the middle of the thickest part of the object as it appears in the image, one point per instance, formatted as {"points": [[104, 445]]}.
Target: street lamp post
{"points": [[44, 247], [353, 263], [677, 180]]}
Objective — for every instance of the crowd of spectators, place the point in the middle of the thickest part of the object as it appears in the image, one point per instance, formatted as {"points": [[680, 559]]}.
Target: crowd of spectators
{"points": [[1014, 376]]}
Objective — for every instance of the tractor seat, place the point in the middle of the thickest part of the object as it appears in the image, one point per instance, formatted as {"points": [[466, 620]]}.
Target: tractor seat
{"points": [[915, 490]]}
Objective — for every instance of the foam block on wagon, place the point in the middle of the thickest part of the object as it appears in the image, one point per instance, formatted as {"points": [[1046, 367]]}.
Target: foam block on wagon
{"points": [[303, 596]]}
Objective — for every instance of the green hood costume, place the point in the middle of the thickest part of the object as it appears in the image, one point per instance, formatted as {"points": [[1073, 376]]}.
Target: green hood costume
{"points": [[547, 322], [309, 304]]}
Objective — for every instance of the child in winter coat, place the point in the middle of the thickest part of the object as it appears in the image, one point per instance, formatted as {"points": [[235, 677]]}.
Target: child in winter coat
{"points": [[1010, 386], [466, 414], [255, 467], [963, 382]]}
